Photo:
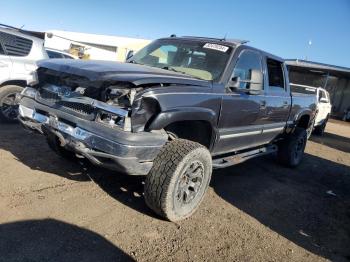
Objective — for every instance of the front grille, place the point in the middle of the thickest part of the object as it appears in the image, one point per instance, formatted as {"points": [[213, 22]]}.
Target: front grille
{"points": [[49, 96], [80, 108]]}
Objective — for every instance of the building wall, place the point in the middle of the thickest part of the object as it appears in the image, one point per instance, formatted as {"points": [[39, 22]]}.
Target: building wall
{"points": [[99, 47], [337, 82], [340, 94]]}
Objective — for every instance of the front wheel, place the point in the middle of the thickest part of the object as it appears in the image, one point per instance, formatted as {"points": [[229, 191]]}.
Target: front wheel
{"points": [[178, 180]]}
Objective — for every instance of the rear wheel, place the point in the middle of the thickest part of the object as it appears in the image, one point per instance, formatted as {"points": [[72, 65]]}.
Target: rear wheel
{"points": [[319, 130], [8, 107], [291, 149], [178, 179]]}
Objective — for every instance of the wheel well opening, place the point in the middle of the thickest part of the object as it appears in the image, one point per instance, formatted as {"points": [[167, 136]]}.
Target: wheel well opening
{"points": [[21, 83], [304, 122], [197, 131]]}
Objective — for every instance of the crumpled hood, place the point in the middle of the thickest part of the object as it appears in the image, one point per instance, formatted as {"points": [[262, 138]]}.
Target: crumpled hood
{"points": [[108, 70]]}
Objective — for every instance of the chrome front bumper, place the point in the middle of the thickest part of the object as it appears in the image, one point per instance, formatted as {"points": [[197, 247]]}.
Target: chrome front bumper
{"points": [[76, 132], [127, 152]]}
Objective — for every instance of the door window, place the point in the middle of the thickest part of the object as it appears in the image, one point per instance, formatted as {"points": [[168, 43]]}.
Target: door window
{"points": [[275, 74], [248, 71]]}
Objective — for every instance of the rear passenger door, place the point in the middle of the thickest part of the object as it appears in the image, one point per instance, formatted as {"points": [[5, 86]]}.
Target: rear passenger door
{"points": [[278, 99]]}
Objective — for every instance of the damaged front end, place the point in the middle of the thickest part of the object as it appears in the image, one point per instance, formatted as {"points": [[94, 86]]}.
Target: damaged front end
{"points": [[102, 101], [93, 119]]}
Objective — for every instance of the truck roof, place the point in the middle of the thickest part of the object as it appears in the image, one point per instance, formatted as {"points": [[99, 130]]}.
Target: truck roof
{"points": [[230, 42]]}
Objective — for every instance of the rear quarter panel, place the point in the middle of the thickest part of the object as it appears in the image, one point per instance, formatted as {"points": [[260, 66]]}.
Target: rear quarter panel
{"points": [[302, 104]]}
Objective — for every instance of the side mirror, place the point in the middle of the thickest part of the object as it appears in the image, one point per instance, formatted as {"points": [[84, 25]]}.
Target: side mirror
{"points": [[323, 100], [129, 55], [235, 81], [256, 82], [254, 85]]}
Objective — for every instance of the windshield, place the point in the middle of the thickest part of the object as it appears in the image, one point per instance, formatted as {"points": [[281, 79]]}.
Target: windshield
{"points": [[198, 59]]}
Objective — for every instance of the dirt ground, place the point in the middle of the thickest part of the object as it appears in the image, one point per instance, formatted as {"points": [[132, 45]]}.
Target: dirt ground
{"points": [[54, 210]]}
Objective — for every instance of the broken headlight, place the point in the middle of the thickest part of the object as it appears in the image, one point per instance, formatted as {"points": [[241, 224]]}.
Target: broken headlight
{"points": [[114, 120], [29, 92]]}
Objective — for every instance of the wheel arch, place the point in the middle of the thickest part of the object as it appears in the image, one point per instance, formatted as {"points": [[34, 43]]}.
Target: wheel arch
{"points": [[304, 118], [199, 131], [21, 83], [195, 124], [165, 118]]}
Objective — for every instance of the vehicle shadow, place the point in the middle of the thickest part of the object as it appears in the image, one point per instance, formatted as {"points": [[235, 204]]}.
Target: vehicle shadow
{"points": [[53, 240], [32, 150], [295, 203], [123, 188], [334, 141], [292, 202]]}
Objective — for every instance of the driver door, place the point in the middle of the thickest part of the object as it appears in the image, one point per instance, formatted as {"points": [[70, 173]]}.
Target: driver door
{"points": [[243, 105]]}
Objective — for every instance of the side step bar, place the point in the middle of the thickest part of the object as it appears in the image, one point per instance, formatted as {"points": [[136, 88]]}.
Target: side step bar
{"points": [[241, 157]]}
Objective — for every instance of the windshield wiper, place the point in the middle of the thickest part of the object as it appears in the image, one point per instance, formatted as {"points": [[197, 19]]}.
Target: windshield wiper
{"points": [[172, 69], [179, 71], [134, 62]]}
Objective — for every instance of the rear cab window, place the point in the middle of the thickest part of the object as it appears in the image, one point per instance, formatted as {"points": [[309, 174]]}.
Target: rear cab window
{"points": [[275, 75]]}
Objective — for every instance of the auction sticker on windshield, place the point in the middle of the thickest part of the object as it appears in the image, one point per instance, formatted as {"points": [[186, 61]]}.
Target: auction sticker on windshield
{"points": [[217, 47]]}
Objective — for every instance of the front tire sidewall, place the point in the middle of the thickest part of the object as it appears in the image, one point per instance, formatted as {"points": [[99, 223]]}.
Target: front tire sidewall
{"points": [[162, 182], [175, 212]]}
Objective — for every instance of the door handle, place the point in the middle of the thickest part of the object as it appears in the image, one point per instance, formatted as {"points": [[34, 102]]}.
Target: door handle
{"points": [[285, 104], [3, 65], [263, 104]]}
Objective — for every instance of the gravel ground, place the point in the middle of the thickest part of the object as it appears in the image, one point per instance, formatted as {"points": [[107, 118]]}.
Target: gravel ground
{"points": [[54, 210]]}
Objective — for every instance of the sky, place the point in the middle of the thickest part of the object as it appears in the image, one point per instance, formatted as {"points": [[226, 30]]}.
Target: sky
{"points": [[318, 30]]}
